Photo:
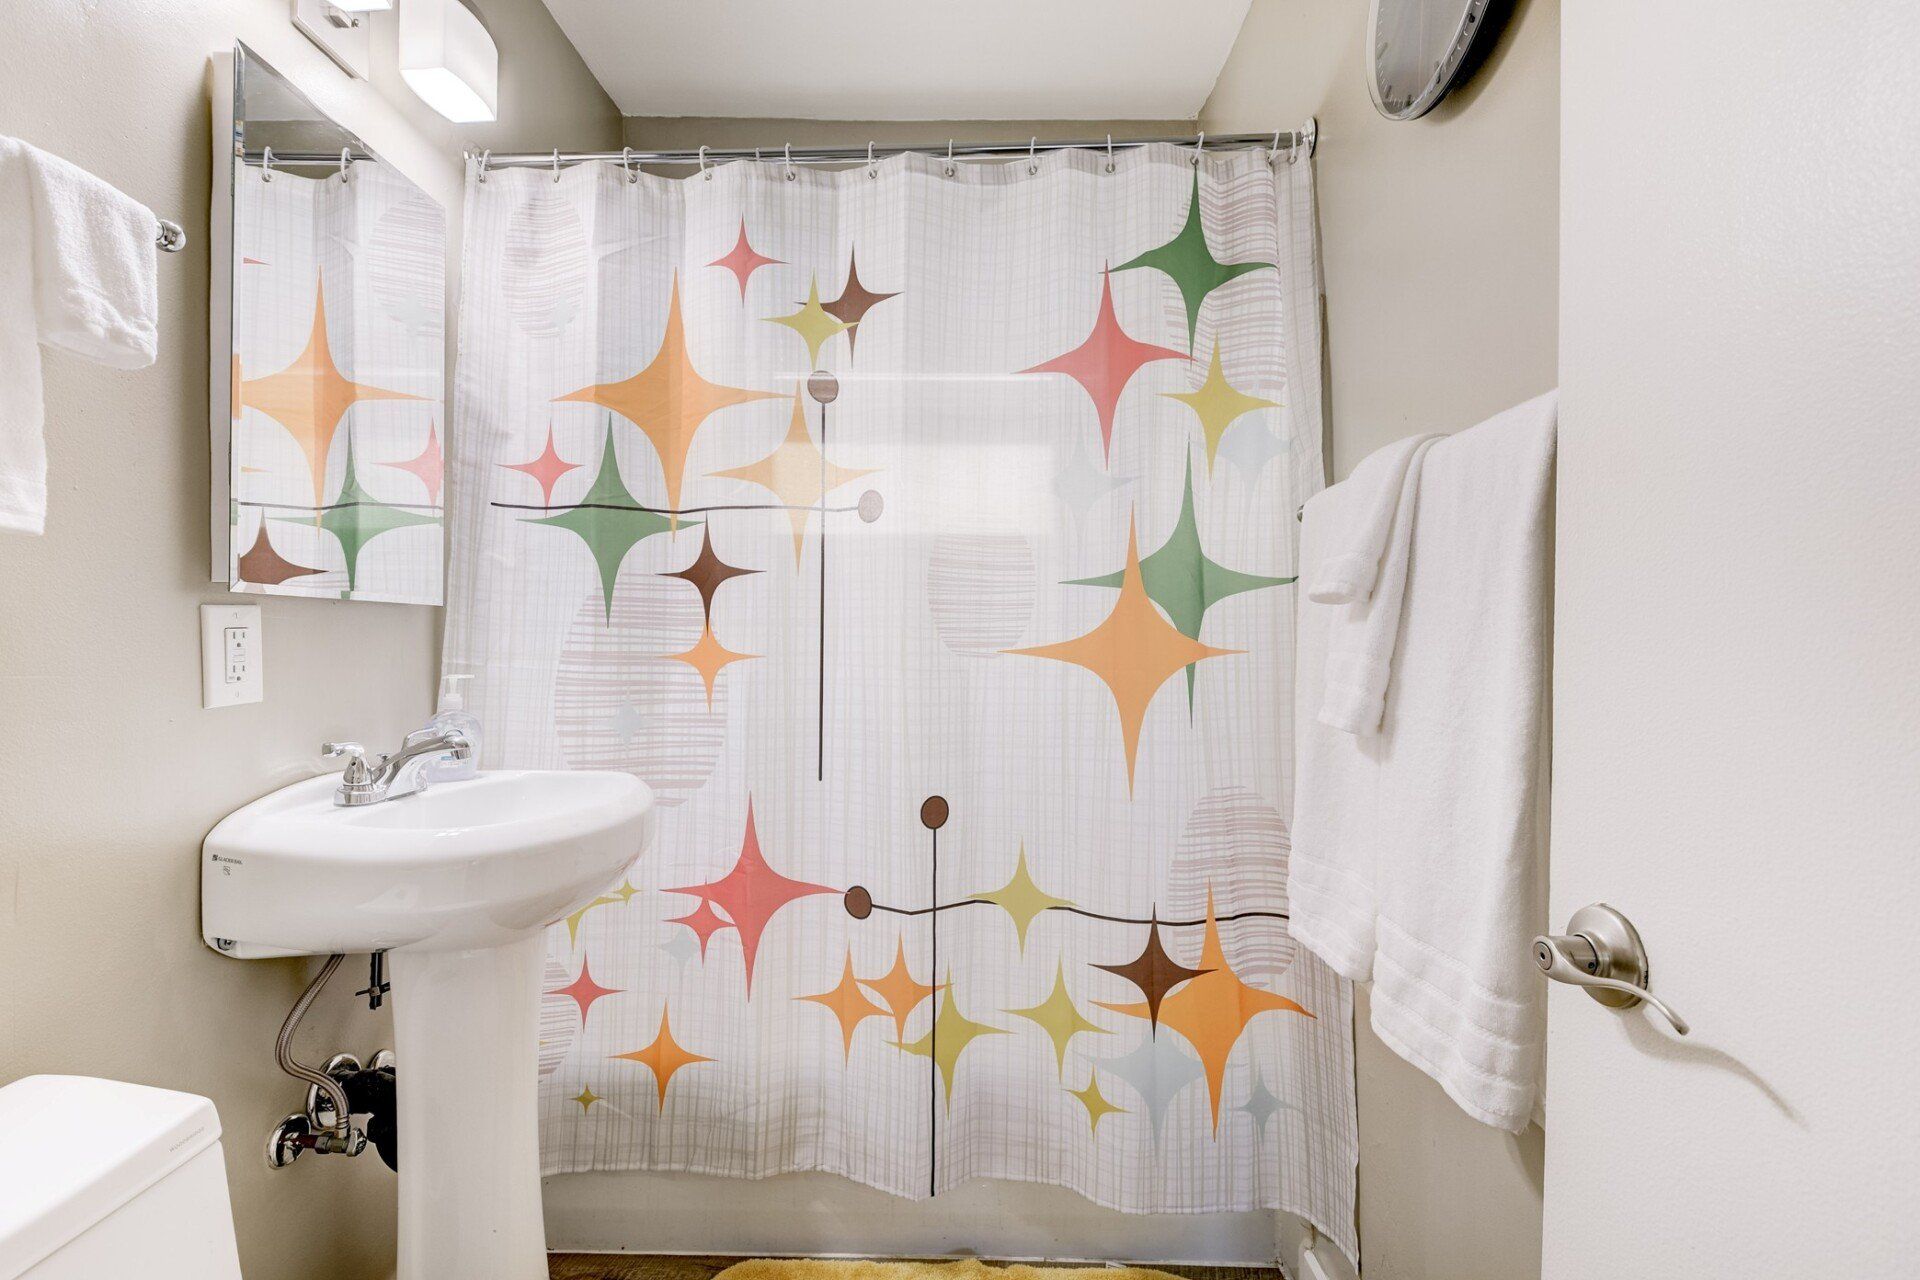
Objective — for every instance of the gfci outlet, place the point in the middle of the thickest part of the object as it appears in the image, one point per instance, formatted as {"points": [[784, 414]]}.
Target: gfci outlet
{"points": [[232, 658]]}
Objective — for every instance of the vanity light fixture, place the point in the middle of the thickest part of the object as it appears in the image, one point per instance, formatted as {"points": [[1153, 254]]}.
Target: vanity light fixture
{"points": [[447, 57], [362, 6]]}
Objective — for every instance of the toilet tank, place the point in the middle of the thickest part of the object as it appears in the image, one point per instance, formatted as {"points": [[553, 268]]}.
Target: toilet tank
{"points": [[100, 1180]]}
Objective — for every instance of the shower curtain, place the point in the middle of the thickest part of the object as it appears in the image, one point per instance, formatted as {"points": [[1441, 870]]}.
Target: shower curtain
{"points": [[923, 534]]}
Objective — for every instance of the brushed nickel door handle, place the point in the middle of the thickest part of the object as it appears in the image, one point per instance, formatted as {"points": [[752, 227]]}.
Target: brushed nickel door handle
{"points": [[1602, 951]]}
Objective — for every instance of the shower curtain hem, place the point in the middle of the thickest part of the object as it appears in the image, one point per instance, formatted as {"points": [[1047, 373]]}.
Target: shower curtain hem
{"points": [[1345, 1238]]}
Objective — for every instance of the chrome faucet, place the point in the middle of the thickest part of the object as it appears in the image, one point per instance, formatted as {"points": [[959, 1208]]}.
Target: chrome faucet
{"points": [[363, 783]]}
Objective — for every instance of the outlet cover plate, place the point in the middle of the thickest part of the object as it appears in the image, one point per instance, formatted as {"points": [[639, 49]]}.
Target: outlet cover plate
{"points": [[232, 657]]}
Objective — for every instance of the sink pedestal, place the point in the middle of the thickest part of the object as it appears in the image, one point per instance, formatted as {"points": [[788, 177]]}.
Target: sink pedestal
{"points": [[466, 1034], [457, 884]]}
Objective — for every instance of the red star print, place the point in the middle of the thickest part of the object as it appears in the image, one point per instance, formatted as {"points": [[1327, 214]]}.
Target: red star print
{"points": [[752, 894], [704, 921], [583, 991], [742, 260], [546, 469], [429, 465], [1106, 362]]}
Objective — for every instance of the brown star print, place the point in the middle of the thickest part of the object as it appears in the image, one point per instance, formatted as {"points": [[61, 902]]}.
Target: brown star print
{"points": [[265, 567], [854, 302], [1154, 972], [707, 572]]}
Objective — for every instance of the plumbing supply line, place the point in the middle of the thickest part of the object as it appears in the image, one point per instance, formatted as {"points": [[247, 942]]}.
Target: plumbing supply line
{"points": [[283, 1049]]}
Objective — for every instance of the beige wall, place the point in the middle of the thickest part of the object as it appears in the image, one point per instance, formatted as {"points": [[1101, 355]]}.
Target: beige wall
{"points": [[110, 772], [1440, 244], [1440, 235]]}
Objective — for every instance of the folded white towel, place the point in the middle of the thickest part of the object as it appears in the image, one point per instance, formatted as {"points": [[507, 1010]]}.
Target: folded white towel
{"points": [[1361, 637], [76, 272], [1418, 852], [1331, 874], [1355, 552]]}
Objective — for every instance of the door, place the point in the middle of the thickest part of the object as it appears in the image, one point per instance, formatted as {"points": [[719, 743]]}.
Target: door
{"points": [[1737, 651]]}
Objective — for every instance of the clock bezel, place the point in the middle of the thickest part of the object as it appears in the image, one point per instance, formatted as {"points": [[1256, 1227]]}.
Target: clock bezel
{"points": [[1473, 20]]}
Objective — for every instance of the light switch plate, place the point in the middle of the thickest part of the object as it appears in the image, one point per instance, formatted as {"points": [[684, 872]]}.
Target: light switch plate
{"points": [[232, 656]]}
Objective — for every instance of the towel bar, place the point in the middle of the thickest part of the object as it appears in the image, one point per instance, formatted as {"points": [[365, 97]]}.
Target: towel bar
{"points": [[171, 238]]}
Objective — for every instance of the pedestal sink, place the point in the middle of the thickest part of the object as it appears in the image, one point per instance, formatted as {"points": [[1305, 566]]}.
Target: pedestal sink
{"points": [[456, 884]]}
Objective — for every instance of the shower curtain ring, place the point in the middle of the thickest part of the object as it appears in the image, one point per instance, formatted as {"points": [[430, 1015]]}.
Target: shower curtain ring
{"points": [[1109, 153], [871, 171], [1273, 149], [626, 164], [704, 171], [1033, 163], [950, 169], [266, 164], [1199, 149], [556, 164], [345, 160], [791, 175]]}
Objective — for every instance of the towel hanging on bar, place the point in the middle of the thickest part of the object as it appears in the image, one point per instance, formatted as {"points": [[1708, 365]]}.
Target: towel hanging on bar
{"points": [[76, 274]]}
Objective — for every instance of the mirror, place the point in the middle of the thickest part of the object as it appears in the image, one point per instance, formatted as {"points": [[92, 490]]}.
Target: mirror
{"points": [[328, 328]]}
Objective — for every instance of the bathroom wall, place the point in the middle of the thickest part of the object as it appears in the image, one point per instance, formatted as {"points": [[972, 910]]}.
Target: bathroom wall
{"points": [[1440, 244], [112, 771]]}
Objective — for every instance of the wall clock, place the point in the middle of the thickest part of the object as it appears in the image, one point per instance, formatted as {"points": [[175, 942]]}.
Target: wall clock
{"points": [[1416, 49]]}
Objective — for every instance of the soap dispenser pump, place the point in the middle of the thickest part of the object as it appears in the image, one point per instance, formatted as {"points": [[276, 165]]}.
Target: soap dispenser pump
{"points": [[453, 714]]}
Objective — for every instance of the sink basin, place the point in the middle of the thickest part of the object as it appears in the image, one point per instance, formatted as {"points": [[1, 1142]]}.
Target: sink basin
{"points": [[476, 863], [457, 884]]}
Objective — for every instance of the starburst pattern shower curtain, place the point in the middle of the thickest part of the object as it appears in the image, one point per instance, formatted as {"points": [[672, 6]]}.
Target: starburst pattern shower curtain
{"points": [[924, 536]]}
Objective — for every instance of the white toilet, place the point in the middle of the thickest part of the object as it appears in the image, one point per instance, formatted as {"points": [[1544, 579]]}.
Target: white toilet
{"points": [[100, 1180]]}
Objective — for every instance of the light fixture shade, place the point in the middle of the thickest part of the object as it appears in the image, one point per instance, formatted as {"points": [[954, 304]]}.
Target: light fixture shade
{"points": [[448, 58], [361, 6]]}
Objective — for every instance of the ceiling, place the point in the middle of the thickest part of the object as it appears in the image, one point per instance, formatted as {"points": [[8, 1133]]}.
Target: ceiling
{"points": [[906, 59]]}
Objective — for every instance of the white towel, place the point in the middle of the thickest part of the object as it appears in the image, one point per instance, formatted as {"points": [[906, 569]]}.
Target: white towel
{"points": [[1354, 552], [1420, 849], [1361, 637], [1331, 875], [76, 272]]}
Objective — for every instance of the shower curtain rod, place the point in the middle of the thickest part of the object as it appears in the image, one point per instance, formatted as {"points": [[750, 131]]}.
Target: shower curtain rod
{"points": [[1301, 139]]}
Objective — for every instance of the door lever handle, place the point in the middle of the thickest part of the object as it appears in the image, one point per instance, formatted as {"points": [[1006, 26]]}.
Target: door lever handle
{"points": [[1602, 952]]}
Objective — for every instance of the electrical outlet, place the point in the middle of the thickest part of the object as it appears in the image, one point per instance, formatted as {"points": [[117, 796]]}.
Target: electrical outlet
{"points": [[232, 657]]}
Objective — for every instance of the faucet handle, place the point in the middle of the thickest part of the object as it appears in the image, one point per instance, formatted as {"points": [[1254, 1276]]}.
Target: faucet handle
{"points": [[356, 758]]}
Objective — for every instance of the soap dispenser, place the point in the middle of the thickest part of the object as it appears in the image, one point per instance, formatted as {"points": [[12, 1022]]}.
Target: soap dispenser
{"points": [[453, 714]]}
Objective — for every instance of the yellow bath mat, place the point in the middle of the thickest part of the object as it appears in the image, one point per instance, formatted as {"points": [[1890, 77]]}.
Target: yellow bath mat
{"points": [[962, 1269]]}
